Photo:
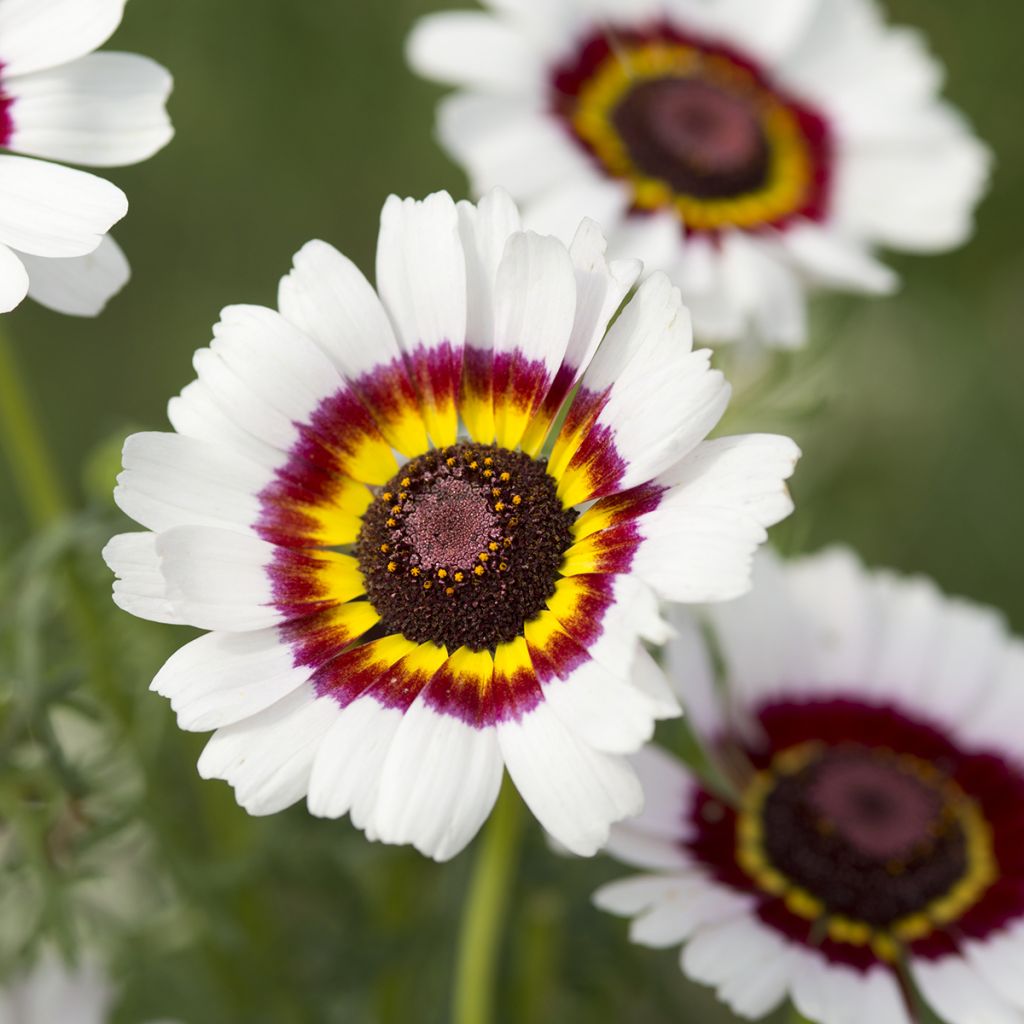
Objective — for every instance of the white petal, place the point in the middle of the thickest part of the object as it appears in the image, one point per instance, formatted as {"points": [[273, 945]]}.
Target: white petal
{"points": [[471, 48], [668, 794], [997, 959], [221, 678], [439, 782], [831, 259], [267, 758], [656, 239], [574, 791], [217, 579], [497, 139], [56, 991], [956, 990], [646, 363], [327, 297], [140, 587], [79, 285], [602, 709], [601, 287], [920, 198], [38, 34], [48, 210], [346, 772], [13, 280], [744, 25], [630, 896], [421, 270], [485, 229], [170, 480], [103, 110], [584, 194], [691, 674]]}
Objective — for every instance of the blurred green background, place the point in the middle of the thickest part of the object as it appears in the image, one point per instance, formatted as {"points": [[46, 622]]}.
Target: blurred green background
{"points": [[294, 120]]}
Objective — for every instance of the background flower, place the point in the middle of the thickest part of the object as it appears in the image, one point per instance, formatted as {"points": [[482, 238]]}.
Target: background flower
{"points": [[859, 840], [61, 101], [742, 147]]}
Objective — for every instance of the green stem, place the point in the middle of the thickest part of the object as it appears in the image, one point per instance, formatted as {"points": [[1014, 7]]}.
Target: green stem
{"points": [[483, 916], [34, 472]]}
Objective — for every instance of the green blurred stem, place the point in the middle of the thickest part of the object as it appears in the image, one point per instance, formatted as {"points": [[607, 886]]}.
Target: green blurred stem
{"points": [[35, 475], [484, 912]]}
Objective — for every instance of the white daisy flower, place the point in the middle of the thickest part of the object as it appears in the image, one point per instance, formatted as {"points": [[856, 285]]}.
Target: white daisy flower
{"points": [[55, 992], [752, 150], [61, 101], [405, 594], [871, 730]]}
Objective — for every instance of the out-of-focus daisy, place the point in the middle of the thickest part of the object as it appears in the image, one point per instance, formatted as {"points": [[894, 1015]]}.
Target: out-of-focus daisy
{"points": [[406, 593], [61, 101], [870, 728], [749, 149], [55, 992]]}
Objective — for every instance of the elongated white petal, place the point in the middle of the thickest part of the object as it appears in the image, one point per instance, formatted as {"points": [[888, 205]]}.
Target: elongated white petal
{"points": [[13, 279], [79, 285], [38, 34], [47, 210], [103, 110]]}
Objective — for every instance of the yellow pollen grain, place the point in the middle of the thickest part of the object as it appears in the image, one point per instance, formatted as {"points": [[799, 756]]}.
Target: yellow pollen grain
{"points": [[499, 506], [427, 584], [386, 497], [442, 573], [505, 477], [516, 500], [479, 570], [449, 591], [392, 566], [385, 548], [493, 546], [402, 495], [507, 542], [449, 462], [406, 482], [488, 461], [488, 472], [495, 492], [391, 522], [474, 464], [396, 509], [414, 571], [502, 566], [483, 556], [459, 577], [514, 521]]}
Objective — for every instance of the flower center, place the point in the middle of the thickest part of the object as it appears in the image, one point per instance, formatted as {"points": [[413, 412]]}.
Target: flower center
{"points": [[702, 140], [871, 835], [464, 546]]}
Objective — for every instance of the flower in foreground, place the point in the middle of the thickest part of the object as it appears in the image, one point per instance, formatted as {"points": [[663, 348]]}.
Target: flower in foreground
{"points": [[61, 101], [406, 592], [870, 728], [750, 149]]}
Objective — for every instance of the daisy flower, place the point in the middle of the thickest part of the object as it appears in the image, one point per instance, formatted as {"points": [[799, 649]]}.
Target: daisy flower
{"points": [[427, 526], [752, 150], [869, 728], [61, 101]]}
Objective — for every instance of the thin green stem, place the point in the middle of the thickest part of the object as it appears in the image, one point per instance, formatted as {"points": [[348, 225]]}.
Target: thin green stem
{"points": [[35, 475], [483, 917]]}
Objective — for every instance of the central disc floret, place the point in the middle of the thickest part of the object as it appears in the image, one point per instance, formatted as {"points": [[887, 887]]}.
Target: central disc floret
{"points": [[463, 546], [872, 835], [701, 139]]}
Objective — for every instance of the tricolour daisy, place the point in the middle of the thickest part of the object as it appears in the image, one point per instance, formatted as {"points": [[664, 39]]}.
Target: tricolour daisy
{"points": [[61, 101], [427, 528], [749, 149], [866, 842]]}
